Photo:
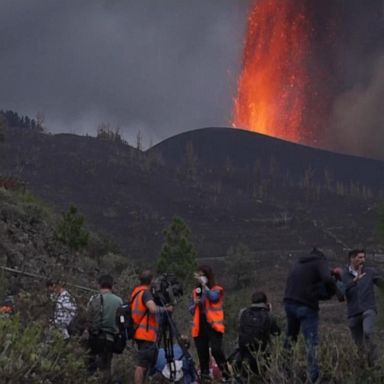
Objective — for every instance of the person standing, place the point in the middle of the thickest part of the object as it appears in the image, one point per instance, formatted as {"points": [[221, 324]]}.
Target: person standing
{"points": [[208, 321], [65, 309], [308, 277], [359, 281], [101, 327], [146, 317]]}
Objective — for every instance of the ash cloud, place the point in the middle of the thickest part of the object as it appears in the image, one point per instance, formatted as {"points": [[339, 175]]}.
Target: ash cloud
{"points": [[161, 67], [357, 119]]}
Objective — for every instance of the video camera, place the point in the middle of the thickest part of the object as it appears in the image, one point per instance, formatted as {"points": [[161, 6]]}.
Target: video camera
{"points": [[166, 289]]}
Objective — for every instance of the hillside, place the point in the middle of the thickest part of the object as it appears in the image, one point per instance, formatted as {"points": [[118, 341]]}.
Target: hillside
{"points": [[29, 242], [229, 185], [245, 150]]}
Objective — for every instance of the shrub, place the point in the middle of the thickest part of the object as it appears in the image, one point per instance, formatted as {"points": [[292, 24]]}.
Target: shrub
{"points": [[30, 354], [71, 231], [338, 361]]}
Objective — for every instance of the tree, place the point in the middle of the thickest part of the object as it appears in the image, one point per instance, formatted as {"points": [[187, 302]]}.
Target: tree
{"points": [[12, 119], [107, 133], [71, 230], [177, 255]]}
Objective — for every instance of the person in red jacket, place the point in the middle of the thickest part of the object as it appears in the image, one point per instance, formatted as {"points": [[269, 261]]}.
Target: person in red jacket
{"points": [[145, 315], [208, 321]]}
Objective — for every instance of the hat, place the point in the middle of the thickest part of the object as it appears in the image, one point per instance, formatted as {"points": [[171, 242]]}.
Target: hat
{"points": [[178, 367]]}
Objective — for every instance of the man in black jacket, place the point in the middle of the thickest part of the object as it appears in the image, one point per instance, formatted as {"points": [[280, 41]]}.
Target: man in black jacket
{"points": [[359, 282], [308, 278]]}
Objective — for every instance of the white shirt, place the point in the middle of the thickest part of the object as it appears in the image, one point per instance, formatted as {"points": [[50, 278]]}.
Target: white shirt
{"points": [[64, 312], [353, 272]]}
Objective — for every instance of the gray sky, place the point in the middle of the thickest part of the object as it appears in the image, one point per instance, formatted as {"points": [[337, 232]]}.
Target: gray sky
{"points": [[357, 119], [161, 66], [167, 66]]}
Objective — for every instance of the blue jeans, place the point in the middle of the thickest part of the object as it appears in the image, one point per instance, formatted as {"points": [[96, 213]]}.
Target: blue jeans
{"points": [[306, 318]]}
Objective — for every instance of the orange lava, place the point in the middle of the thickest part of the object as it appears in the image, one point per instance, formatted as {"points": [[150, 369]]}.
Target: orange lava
{"points": [[276, 87]]}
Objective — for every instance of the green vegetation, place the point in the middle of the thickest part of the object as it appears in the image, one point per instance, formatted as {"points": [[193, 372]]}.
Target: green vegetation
{"points": [[31, 353], [177, 255], [13, 119], [71, 231], [339, 362], [23, 205], [107, 133]]}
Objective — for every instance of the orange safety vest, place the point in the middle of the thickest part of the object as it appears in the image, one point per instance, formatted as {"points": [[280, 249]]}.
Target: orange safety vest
{"points": [[213, 311], [145, 322]]}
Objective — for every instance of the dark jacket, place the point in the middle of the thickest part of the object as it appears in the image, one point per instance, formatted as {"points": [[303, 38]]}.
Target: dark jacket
{"points": [[308, 276], [257, 333], [360, 294]]}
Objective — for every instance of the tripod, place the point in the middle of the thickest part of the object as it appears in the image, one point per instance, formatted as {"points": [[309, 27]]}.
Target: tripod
{"points": [[167, 335]]}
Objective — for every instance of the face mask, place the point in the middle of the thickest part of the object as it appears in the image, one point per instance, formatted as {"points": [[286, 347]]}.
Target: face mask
{"points": [[204, 279]]}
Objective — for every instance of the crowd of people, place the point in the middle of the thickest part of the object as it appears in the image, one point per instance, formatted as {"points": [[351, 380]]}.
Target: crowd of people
{"points": [[310, 280]]}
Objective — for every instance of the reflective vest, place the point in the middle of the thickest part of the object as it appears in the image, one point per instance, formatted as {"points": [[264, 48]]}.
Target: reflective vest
{"points": [[213, 312], [145, 322]]}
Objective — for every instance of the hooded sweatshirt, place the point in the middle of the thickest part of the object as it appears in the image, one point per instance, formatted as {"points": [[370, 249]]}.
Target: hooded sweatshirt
{"points": [[307, 277]]}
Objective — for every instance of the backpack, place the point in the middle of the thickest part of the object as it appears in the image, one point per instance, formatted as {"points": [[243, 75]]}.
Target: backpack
{"points": [[95, 314], [98, 336], [124, 320], [255, 328]]}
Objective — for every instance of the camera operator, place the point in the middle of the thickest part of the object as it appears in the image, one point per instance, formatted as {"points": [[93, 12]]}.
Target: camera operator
{"points": [[146, 317], [208, 321]]}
